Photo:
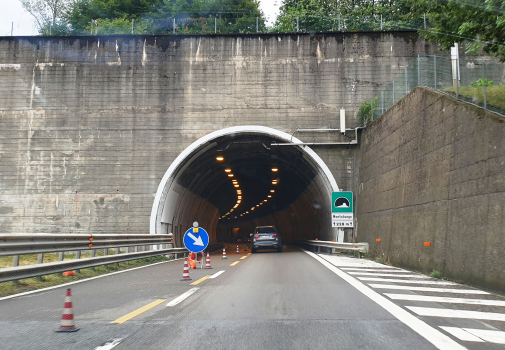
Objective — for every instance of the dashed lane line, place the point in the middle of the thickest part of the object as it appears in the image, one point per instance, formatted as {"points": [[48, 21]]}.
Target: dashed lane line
{"points": [[449, 313], [217, 274], [182, 297], [373, 279], [138, 312], [200, 280], [434, 299], [428, 289], [235, 263], [109, 344], [433, 335], [242, 258]]}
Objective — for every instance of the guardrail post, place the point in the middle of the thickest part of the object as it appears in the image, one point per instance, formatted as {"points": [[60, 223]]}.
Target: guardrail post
{"points": [[93, 254], [318, 249], [78, 256], [40, 258], [15, 260], [61, 256], [118, 250]]}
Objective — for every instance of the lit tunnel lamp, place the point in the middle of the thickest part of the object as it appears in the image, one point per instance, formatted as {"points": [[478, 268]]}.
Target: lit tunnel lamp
{"points": [[272, 191], [219, 158], [269, 196], [227, 170], [275, 169]]}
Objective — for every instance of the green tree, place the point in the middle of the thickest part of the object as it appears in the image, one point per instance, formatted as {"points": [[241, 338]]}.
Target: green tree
{"points": [[49, 15], [157, 16], [341, 14], [479, 22]]}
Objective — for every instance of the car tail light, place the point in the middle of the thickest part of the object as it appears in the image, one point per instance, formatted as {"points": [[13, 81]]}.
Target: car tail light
{"points": [[256, 236], [274, 236]]}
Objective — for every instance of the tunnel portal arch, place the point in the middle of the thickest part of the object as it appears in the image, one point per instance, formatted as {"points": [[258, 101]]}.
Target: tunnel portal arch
{"points": [[176, 191]]}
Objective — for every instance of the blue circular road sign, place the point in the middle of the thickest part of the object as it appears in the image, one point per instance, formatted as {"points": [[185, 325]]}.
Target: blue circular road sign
{"points": [[196, 239]]}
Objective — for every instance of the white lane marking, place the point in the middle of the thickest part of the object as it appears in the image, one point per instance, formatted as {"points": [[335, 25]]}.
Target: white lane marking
{"points": [[433, 335], [385, 275], [342, 261], [378, 269], [461, 334], [435, 312], [217, 274], [428, 289], [497, 337], [83, 280], [182, 297], [373, 279], [109, 345], [415, 297]]}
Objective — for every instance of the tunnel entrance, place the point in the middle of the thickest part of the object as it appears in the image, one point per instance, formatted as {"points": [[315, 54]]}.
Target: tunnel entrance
{"points": [[233, 180]]}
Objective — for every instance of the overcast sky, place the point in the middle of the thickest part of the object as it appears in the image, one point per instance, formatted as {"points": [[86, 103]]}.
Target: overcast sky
{"points": [[12, 11]]}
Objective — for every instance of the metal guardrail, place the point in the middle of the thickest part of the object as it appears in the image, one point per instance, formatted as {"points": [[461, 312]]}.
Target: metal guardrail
{"points": [[360, 248], [21, 272], [41, 243]]}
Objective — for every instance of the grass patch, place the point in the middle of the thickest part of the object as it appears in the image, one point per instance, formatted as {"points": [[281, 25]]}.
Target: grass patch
{"points": [[437, 274], [495, 94], [25, 285], [380, 260]]}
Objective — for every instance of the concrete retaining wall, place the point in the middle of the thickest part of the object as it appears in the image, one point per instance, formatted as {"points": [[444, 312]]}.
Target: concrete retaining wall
{"points": [[432, 170]]}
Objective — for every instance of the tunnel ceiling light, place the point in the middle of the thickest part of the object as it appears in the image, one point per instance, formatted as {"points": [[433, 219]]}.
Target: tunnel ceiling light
{"points": [[272, 191], [265, 200], [275, 170], [230, 175], [247, 212], [239, 197], [253, 208], [239, 191], [274, 182], [219, 158], [269, 196], [227, 170], [236, 185], [239, 201]]}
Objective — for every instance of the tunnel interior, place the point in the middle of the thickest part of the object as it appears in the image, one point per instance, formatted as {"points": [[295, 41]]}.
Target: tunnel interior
{"points": [[235, 182]]}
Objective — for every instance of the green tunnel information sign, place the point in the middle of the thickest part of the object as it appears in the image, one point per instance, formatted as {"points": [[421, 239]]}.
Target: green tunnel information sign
{"points": [[342, 210]]}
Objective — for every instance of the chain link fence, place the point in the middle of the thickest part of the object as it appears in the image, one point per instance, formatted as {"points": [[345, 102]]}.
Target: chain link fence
{"points": [[475, 80], [219, 24]]}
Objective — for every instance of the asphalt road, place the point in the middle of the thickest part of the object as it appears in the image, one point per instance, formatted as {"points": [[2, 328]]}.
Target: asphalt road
{"points": [[268, 300]]}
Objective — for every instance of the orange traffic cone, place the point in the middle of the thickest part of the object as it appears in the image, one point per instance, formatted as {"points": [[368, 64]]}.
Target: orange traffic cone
{"points": [[185, 274], [238, 251], [207, 264], [224, 254], [67, 319]]}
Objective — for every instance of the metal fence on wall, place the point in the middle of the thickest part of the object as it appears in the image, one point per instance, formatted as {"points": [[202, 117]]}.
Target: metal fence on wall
{"points": [[475, 80]]}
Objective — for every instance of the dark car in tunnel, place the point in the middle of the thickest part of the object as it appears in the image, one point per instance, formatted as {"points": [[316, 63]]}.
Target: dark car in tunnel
{"points": [[266, 237]]}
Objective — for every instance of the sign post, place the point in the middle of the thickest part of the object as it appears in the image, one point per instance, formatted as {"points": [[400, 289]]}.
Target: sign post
{"points": [[342, 210]]}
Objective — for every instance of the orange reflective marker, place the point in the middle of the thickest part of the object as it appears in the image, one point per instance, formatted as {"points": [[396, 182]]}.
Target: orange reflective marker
{"points": [[377, 240], [427, 244], [91, 238], [90, 245]]}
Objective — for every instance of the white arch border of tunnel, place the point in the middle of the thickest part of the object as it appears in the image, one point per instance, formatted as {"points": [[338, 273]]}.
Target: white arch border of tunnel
{"points": [[322, 168]]}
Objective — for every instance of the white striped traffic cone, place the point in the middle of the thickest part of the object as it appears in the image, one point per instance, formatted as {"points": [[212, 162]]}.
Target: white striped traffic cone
{"points": [[207, 264], [238, 250], [224, 254], [67, 319], [185, 274]]}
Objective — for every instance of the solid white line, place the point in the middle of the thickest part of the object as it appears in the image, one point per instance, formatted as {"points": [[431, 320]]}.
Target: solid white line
{"points": [[461, 334], [375, 270], [428, 289], [385, 274], [83, 280], [109, 345], [415, 297], [373, 279], [497, 337], [217, 274], [435, 312], [434, 336], [182, 297]]}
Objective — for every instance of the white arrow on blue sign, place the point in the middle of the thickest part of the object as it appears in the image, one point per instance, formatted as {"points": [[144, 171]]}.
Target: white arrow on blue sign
{"points": [[196, 239]]}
